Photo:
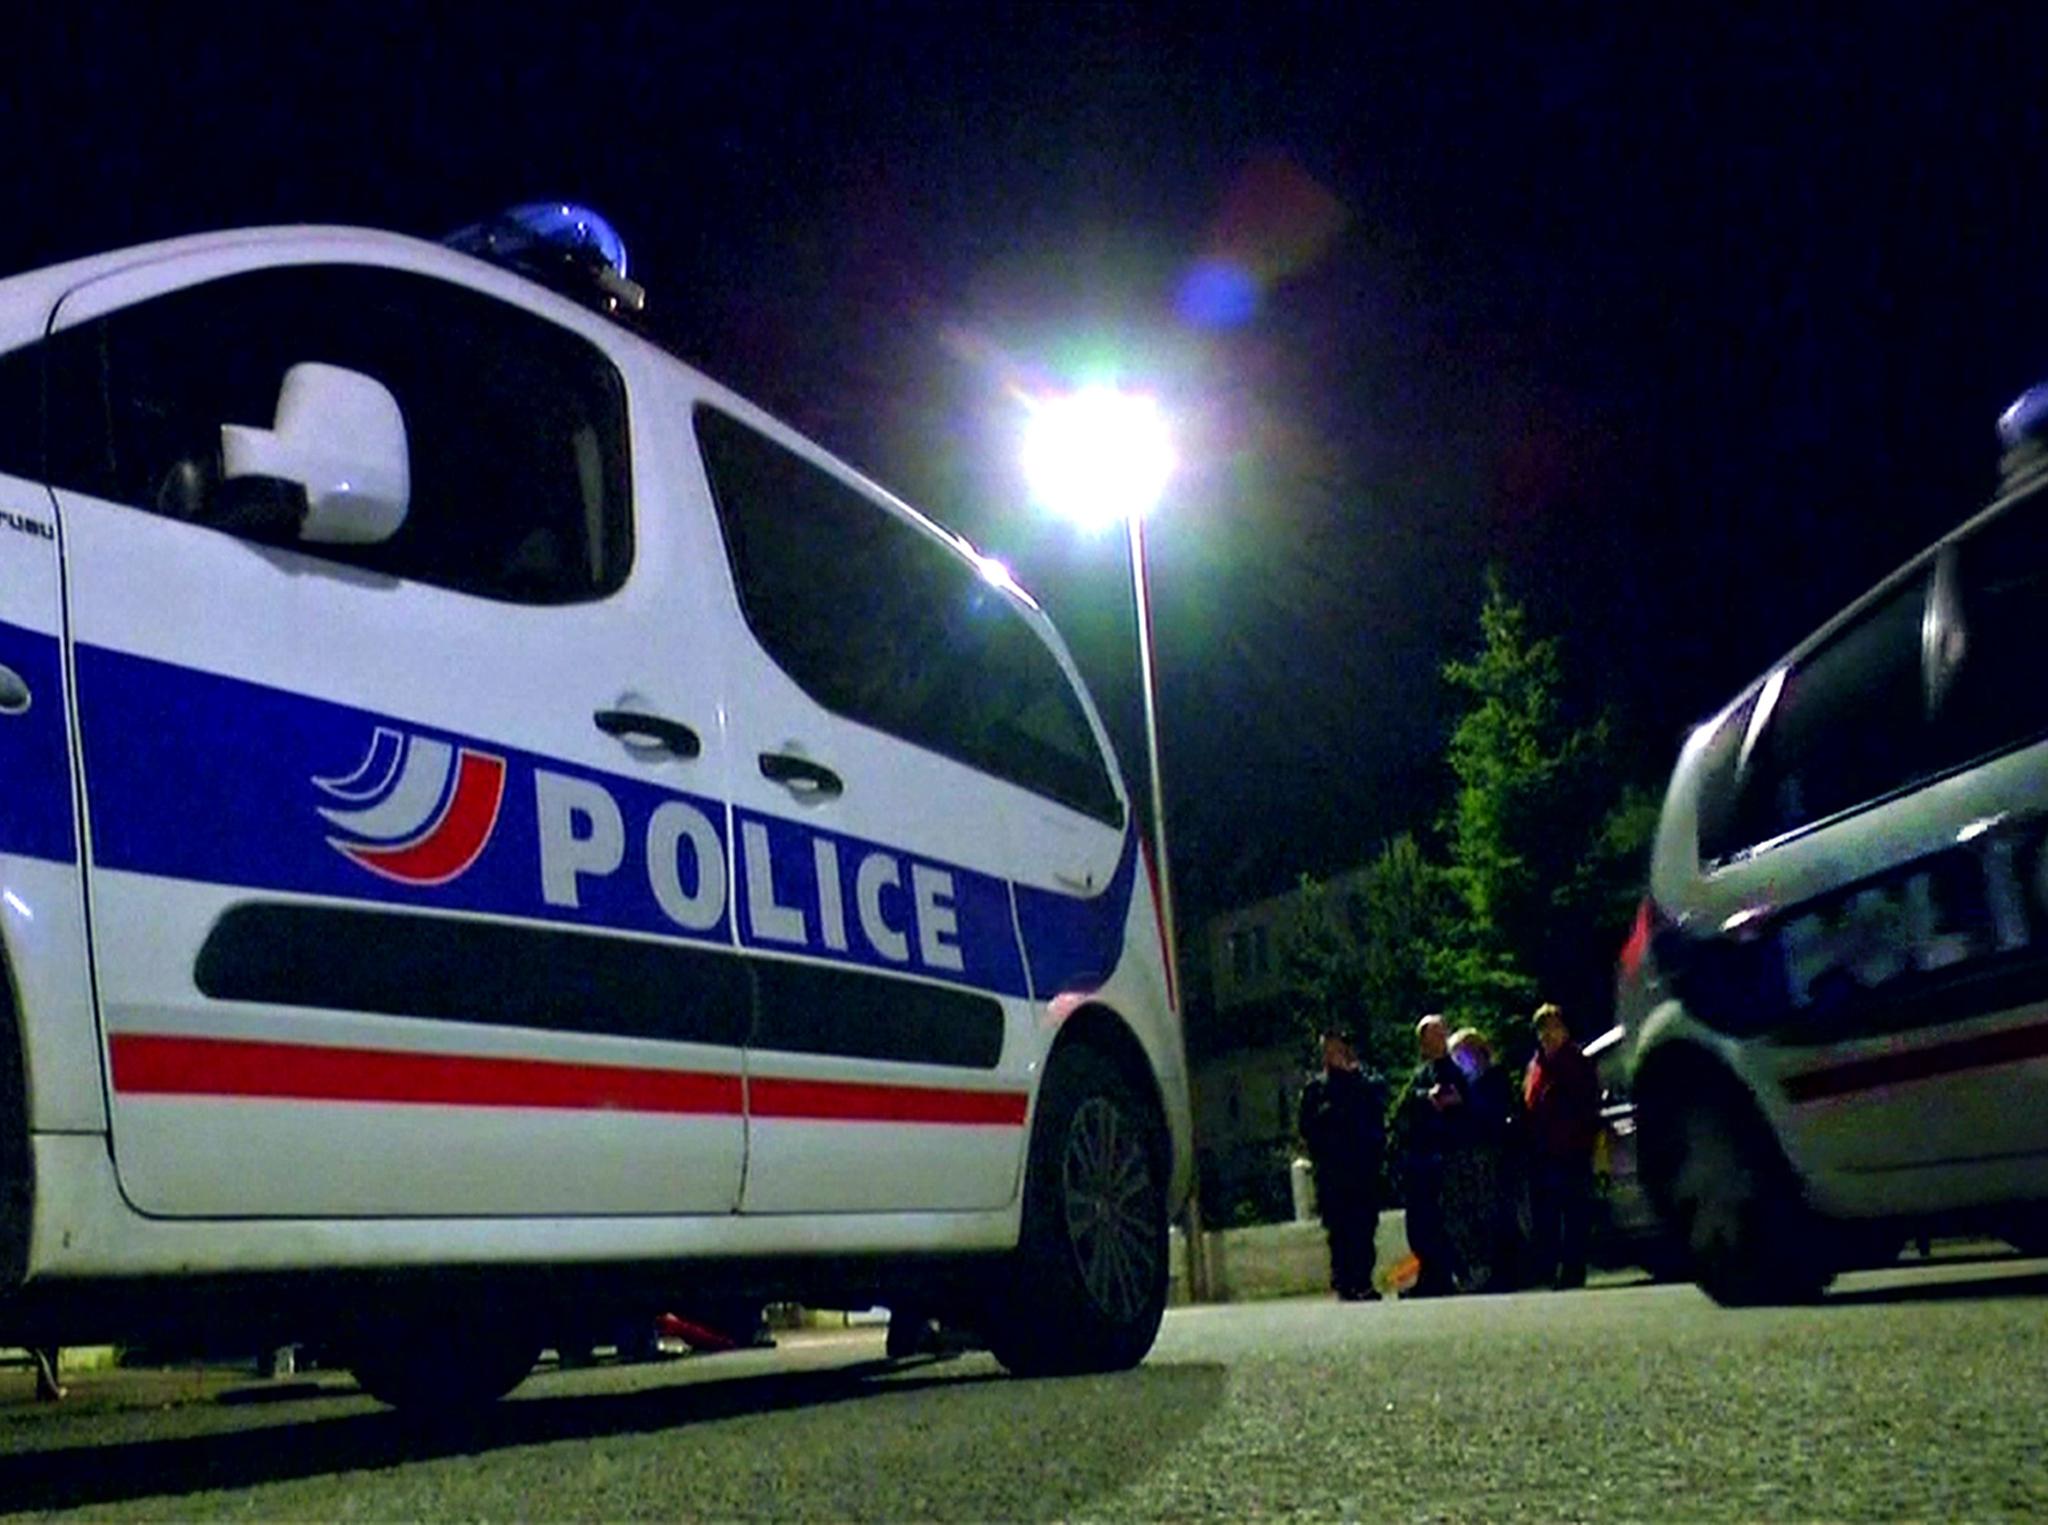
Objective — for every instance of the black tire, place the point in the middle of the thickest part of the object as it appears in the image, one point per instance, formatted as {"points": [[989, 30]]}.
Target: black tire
{"points": [[2028, 1235], [438, 1370], [1086, 1287], [639, 1343], [1736, 1215], [574, 1355], [1664, 1260], [910, 1334]]}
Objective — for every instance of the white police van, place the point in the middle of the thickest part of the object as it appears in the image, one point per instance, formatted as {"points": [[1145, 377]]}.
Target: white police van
{"points": [[501, 834], [1836, 993]]}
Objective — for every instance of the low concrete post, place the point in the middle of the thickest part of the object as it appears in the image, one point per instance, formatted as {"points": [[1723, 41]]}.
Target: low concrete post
{"points": [[1301, 1181]]}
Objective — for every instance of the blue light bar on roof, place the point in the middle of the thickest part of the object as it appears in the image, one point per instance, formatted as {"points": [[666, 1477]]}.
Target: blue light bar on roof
{"points": [[2023, 437], [2026, 419], [558, 242]]}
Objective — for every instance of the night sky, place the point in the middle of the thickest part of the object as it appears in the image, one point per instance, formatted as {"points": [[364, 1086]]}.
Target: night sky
{"points": [[1695, 328]]}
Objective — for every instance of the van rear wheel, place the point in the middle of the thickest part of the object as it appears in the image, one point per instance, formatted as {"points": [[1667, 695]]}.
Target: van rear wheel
{"points": [[2027, 1234], [438, 1368], [1735, 1211], [1086, 1288]]}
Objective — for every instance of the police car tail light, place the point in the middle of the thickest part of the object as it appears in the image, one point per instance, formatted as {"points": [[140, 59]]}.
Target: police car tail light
{"points": [[1642, 932]]}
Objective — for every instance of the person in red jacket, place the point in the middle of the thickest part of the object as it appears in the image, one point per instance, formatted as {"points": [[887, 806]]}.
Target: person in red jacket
{"points": [[1562, 1096]]}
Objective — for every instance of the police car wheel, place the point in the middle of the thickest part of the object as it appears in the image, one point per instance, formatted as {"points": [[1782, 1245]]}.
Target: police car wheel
{"points": [[429, 1370], [1735, 1208], [2028, 1235], [910, 1334], [1086, 1288]]}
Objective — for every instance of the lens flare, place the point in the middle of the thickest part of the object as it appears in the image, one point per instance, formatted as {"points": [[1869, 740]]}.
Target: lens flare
{"points": [[1276, 222], [1218, 294]]}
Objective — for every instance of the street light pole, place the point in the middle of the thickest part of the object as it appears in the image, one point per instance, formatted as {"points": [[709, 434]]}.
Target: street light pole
{"points": [[1094, 456], [1148, 672], [1141, 597]]}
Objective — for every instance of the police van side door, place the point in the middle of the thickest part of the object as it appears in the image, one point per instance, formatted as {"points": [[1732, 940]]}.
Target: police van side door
{"points": [[891, 1061], [374, 927]]}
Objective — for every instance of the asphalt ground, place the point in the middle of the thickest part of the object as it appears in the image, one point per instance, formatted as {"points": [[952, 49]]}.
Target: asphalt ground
{"points": [[1914, 1393]]}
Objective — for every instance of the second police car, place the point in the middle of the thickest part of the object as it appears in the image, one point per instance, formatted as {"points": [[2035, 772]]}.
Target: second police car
{"points": [[1835, 999], [500, 833]]}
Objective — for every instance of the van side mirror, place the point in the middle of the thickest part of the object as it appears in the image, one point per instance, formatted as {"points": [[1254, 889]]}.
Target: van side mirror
{"points": [[338, 439]]}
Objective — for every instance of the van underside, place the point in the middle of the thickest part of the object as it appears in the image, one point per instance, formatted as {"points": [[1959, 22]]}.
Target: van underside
{"points": [[334, 1308]]}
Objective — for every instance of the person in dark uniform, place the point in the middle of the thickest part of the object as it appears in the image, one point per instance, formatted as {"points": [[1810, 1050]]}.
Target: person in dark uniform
{"points": [[1435, 1122], [1343, 1122]]}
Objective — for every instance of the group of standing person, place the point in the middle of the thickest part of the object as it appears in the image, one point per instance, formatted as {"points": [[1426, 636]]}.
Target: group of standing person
{"points": [[1498, 1182]]}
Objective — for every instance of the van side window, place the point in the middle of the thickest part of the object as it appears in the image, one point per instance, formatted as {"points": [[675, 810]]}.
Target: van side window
{"points": [[887, 625], [1995, 698], [515, 427], [21, 412], [1850, 726]]}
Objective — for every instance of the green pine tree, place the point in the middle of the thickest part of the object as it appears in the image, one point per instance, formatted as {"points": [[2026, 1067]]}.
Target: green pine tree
{"points": [[1542, 861]]}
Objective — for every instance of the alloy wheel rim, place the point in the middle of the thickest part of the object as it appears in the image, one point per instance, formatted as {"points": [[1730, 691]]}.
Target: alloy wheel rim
{"points": [[1107, 1179]]}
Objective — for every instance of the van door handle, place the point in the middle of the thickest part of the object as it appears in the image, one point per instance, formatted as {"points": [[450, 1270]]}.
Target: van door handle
{"points": [[649, 733], [802, 777]]}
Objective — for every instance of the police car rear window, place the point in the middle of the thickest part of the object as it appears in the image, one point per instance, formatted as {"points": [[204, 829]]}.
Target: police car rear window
{"points": [[1995, 698], [1850, 727]]}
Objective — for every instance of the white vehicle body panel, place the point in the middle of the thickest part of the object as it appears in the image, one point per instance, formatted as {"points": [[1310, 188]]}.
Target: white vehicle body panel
{"points": [[85, 1231], [1868, 984], [183, 1124]]}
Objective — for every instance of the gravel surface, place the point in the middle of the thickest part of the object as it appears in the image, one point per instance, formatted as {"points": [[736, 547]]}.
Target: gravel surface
{"points": [[1911, 1393]]}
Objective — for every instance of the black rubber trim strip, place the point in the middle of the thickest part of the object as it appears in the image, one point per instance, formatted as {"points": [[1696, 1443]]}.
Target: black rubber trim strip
{"points": [[403, 964], [814, 1009]]}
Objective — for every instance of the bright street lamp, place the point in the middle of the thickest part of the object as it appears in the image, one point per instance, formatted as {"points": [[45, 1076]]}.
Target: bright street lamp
{"points": [[1094, 457], [1098, 456]]}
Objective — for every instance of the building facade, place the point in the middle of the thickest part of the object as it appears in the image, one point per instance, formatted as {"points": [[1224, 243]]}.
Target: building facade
{"points": [[1247, 1081]]}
